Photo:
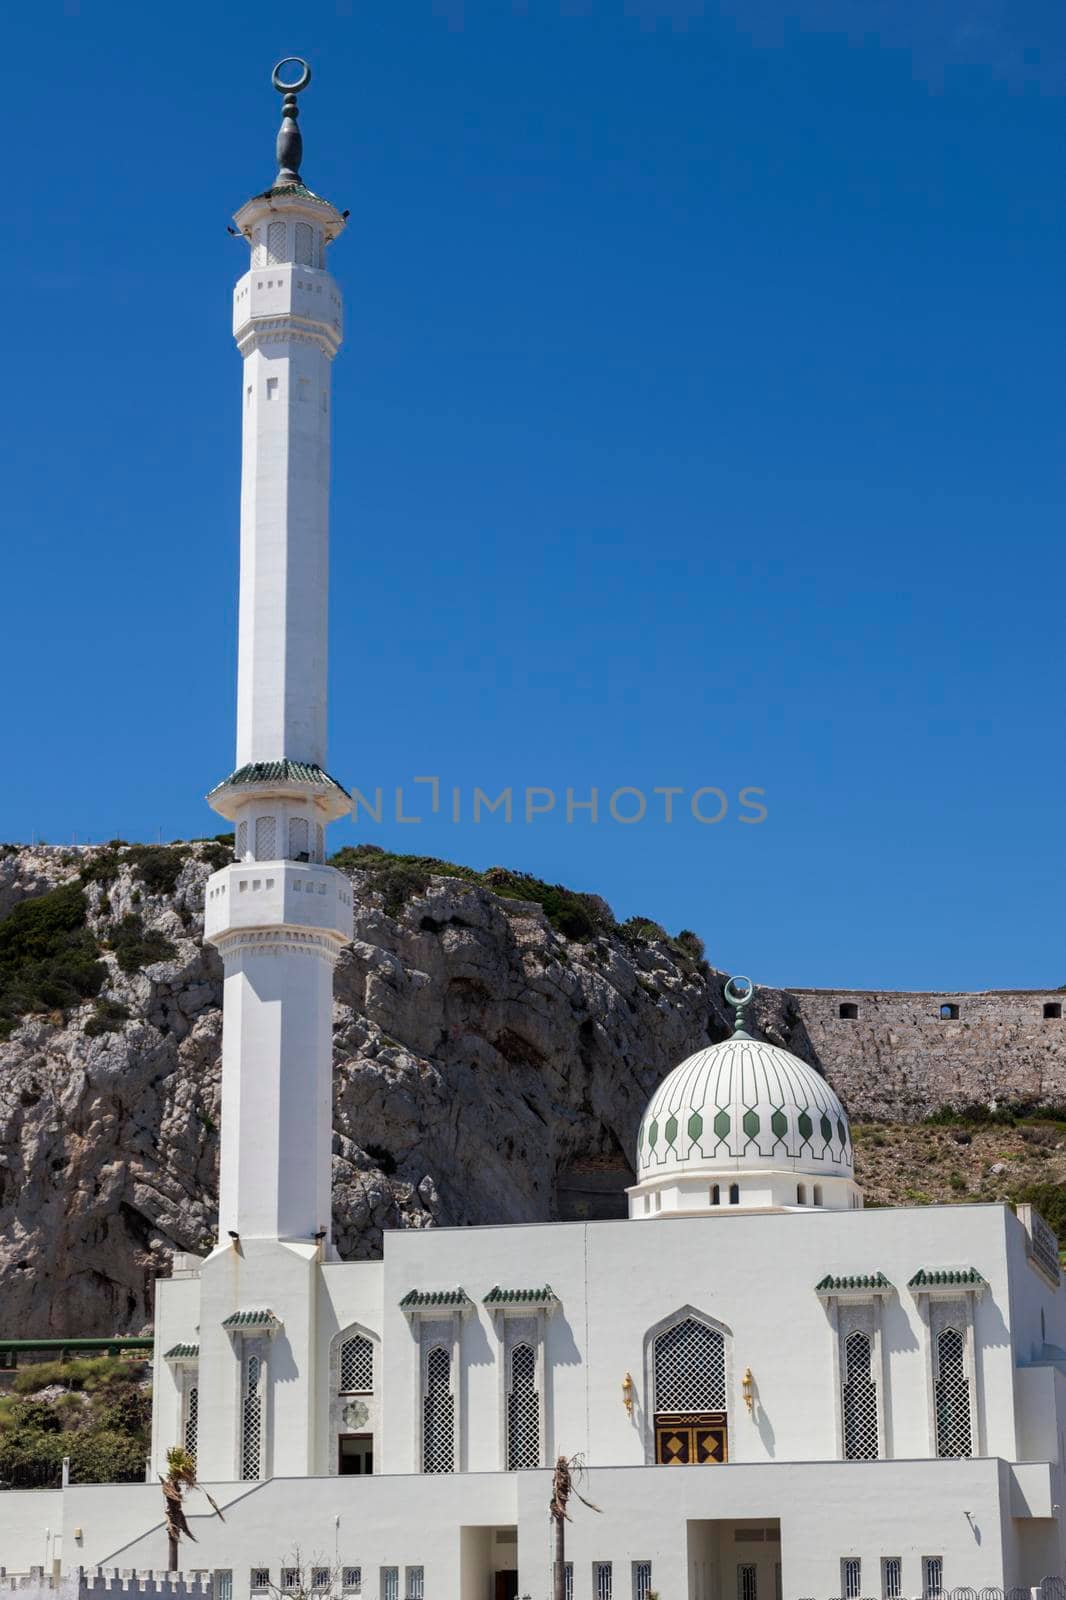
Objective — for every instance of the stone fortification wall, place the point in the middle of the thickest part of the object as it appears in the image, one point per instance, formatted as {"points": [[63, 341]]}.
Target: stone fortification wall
{"points": [[900, 1056]]}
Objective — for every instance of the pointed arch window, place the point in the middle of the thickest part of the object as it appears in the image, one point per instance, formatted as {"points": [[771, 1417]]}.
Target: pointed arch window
{"points": [[523, 1410], [438, 1413], [859, 1399], [191, 1425], [688, 1374], [357, 1366], [252, 1419], [954, 1433]]}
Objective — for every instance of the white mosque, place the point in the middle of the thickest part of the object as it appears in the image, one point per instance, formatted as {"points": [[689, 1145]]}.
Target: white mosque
{"points": [[776, 1393]]}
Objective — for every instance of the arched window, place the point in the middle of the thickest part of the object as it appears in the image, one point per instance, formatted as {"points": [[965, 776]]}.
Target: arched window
{"points": [[192, 1418], [849, 1011], [687, 1372], [275, 244], [252, 1419], [265, 832], [299, 839], [304, 244], [1052, 1010], [523, 1410], [716, 1195], [689, 1367], [859, 1399], [953, 1429], [949, 1012], [438, 1413], [357, 1366], [734, 1194], [242, 840]]}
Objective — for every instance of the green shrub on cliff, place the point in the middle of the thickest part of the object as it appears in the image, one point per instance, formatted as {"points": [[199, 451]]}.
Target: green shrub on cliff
{"points": [[48, 956]]}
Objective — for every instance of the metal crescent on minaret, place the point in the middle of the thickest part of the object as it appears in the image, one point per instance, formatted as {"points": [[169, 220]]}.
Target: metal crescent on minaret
{"points": [[740, 999], [290, 146]]}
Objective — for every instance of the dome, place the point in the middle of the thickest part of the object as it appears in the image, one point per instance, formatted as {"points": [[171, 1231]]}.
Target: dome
{"points": [[753, 1116]]}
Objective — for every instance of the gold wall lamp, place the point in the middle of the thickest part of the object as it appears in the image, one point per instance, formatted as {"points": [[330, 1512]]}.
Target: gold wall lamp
{"points": [[747, 1388], [627, 1393]]}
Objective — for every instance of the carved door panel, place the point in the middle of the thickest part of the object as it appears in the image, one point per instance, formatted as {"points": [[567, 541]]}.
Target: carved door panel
{"points": [[689, 1441]]}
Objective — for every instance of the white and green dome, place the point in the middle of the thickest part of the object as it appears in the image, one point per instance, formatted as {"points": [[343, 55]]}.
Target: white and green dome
{"points": [[747, 1124]]}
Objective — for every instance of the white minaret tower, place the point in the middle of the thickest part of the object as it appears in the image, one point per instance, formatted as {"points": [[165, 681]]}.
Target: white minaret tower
{"points": [[279, 917]]}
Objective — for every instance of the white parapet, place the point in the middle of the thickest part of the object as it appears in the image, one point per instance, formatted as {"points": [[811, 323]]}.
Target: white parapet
{"points": [[278, 895]]}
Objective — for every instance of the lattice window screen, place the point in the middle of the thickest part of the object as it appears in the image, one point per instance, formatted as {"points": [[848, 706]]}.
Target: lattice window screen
{"points": [[275, 244], [319, 841], [859, 1400], [689, 1363], [357, 1366], [265, 833], [438, 1414], [305, 240], [192, 1419], [252, 1419], [523, 1411], [242, 840], [258, 253], [299, 837], [953, 1432]]}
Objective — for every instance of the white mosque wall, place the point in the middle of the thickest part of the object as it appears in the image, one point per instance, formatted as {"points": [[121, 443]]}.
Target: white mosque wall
{"points": [[684, 1522], [753, 1276]]}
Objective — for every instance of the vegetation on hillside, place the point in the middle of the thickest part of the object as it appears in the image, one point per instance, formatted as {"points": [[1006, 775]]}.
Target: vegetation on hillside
{"points": [[398, 878], [96, 1411], [48, 956]]}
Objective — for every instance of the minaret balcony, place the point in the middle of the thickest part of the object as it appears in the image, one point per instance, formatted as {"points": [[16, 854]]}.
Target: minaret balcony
{"points": [[274, 895], [296, 298]]}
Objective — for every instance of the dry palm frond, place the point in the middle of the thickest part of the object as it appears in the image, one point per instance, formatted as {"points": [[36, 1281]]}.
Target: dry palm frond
{"points": [[568, 1473]]}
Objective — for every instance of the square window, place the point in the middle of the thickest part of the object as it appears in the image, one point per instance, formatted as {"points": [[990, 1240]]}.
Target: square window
{"points": [[260, 1578], [290, 1577]]}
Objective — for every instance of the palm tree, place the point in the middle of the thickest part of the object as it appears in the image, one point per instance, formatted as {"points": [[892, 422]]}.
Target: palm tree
{"points": [[181, 1476], [566, 1471]]}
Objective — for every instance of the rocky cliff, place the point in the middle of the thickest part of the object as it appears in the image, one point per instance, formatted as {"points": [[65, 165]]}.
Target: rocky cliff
{"points": [[496, 1040], [493, 1055]]}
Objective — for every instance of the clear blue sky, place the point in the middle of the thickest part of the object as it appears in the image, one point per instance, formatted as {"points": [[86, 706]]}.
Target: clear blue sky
{"points": [[700, 423]]}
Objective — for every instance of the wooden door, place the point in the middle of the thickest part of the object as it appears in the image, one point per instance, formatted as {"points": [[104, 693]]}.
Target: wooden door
{"points": [[691, 1441]]}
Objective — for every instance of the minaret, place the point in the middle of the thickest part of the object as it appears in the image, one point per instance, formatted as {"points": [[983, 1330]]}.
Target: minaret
{"points": [[279, 917]]}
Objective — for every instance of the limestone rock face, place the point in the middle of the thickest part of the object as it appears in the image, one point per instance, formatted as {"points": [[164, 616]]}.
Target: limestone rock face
{"points": [[480, 1058]]}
